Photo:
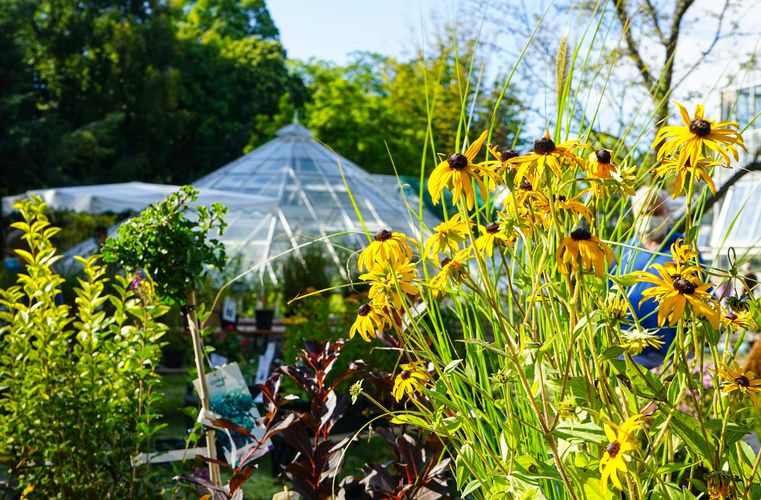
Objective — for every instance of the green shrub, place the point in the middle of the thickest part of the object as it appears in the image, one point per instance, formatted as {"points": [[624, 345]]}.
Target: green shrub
{"points": [[79, 381]]}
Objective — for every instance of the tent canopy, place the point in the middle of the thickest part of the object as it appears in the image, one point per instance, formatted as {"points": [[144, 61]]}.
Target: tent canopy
{"points": [[131, 197]]}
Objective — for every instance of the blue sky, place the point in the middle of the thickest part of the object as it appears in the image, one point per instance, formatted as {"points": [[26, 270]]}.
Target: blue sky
{"points": [[331, 29]]}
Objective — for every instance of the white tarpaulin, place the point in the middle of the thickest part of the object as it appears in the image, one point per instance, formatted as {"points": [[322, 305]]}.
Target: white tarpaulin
{"points": [[133, 197]]}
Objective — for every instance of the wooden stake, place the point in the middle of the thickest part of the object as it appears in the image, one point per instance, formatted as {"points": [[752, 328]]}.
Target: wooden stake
{"points": [[211, 446]]}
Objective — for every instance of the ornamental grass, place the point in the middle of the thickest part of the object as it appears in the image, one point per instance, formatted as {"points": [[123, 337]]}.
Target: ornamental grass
{"points": [[538, 390]]}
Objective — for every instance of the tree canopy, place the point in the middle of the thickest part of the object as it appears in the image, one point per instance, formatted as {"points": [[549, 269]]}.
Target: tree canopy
{"points": [[119, 90]]}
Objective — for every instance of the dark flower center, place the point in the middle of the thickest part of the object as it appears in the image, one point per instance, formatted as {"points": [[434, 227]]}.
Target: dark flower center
{"points": [[603, 155], [405, 374], [700, 128], [383, 235], [526, 185], [492, 228], [364, 309], [560, 198], [458, 161], [544, 146], [507, 153], [684, 286], [580, 234], [742, 381], [613, 449], [731, 316], [445, 261]]}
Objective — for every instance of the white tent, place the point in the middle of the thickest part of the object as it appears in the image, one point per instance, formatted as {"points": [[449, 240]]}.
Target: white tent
{"points": [[131, 197]]}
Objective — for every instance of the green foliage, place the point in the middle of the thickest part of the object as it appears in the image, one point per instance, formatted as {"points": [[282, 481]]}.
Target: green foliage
{"points": [[79, 399], [171, 248], [116, 90], [375, 110], [309, 270]]}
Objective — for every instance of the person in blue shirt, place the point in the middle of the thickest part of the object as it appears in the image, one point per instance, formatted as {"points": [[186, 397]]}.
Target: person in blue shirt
{"points": [[653, 235]]}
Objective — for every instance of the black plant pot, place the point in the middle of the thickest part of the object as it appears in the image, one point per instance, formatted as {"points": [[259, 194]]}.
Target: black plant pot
{"points": [[172, 357], [264, 319]]}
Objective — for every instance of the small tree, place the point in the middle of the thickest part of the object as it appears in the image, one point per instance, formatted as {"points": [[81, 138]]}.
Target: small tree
{"points": [[174, 250]]}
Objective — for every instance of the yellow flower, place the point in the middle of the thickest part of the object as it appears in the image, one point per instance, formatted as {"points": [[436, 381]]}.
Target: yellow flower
{"points": [[503, 154], [546, 153], [697, 171], [370, 319], [600, 164], [491, 234], [738, 320], [698, 131], [574, 206], [447, 236], [720, 485], [386, 248], [684, 255], [635, 340], [457, 172], [27, 491], [740, 380], [411, 379], [594, 254], [453, 269], [621, 443], [674, 291], [388, 283], [622, 181], [616, 310]]}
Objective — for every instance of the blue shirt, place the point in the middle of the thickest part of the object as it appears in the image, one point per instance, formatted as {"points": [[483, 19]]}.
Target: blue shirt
{"points": [[641, 259]]}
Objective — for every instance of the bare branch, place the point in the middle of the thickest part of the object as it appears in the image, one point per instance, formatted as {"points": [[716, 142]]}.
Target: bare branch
{"points": [[631, 44], [716, 37], [656, 24]]}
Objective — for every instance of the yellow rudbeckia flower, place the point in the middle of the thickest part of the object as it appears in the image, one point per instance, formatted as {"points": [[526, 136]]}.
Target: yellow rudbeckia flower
{"points": [[686, 172], [600, 164], [447, 236], [490, 235], [618, 452], [370, 319], [411, 379], [389, 283], [687, 141], [453, 270], [386, 248], [457, 172], [582, 246], [675, 291], [547, 153], [742, 381]]}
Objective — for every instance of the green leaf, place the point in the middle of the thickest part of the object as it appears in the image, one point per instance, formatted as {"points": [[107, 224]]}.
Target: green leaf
{"points": [[470, 487], [588, 432], [452, 365], [407, 418], [611, 352], [688, 429], [644, 383]]}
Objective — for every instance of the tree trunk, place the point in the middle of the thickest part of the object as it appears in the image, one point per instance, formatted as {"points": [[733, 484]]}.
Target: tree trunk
{"points": [[203, 395]]}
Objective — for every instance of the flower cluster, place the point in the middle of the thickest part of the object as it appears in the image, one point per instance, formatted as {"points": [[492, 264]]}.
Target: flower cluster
{"points": [[683, 149], [509, 308], [679, 284]]}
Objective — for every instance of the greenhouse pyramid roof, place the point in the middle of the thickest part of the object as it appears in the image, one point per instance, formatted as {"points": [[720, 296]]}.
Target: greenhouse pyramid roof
{"points": [[309, 184]]}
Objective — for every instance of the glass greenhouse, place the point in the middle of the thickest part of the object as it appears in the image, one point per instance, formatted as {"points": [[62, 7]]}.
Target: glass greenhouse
{"points": [[736, 221], [315, 192]]}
